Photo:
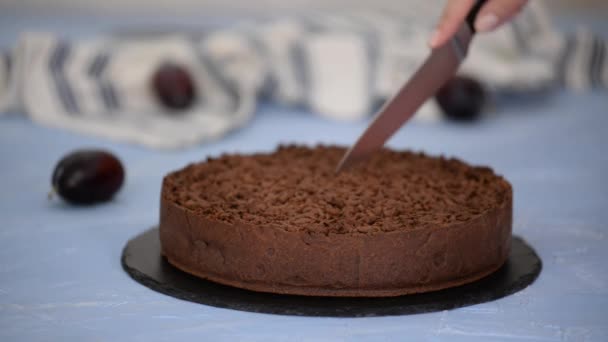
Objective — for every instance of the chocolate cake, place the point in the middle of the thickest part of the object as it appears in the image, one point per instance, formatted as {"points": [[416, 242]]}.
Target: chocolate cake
{"points": [[285, 222]]}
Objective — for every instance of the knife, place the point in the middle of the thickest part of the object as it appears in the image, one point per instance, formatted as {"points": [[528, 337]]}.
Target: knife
{"points": [[438, 68]]}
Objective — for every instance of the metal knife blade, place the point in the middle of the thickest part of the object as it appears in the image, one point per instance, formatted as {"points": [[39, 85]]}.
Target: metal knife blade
{"points": [[438, 68]]}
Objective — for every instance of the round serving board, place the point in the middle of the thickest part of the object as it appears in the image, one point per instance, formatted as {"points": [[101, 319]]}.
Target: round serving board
{"points": [[142, 260]]}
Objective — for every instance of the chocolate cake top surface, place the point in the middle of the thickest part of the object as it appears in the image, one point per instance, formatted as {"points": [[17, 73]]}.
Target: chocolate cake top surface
{"points": [[296, 189]]}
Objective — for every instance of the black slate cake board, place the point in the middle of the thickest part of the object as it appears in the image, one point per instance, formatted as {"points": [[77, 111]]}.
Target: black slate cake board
{"points": [[142, 260]]}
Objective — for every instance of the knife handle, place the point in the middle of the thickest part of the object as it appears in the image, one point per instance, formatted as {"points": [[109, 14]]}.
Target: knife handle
{"points": [[473, 14]]}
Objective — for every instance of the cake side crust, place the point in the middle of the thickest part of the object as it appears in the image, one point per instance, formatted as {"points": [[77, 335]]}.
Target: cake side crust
{"points": [[271, 259]]}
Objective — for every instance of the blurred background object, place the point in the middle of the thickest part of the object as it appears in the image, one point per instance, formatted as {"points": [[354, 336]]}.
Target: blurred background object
{"points": [[259, 6], [93, 67]]}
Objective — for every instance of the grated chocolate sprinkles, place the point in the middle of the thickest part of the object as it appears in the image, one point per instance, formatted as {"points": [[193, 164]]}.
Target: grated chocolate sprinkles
{"points": [[296, 188]]}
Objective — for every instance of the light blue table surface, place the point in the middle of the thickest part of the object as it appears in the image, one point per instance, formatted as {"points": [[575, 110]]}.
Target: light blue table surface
{"points": [[60, 272]]}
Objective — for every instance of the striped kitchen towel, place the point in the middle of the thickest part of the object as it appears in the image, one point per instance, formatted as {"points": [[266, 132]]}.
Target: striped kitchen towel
{"points": [[337, 66]]}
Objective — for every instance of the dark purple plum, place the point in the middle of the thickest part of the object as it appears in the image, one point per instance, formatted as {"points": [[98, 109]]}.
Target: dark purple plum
{"points": [[88, 176], [462, 98], [174, 86]]}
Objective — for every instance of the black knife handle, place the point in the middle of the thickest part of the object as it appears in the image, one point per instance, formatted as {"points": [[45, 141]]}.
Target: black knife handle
{"points": [[473, 14]]}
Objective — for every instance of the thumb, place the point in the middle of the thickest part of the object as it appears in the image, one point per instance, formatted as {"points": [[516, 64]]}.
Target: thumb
{"points": [[454, 13]]}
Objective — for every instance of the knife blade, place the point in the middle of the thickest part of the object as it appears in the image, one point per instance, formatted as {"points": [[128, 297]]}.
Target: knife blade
{"points": [[438, 68]]}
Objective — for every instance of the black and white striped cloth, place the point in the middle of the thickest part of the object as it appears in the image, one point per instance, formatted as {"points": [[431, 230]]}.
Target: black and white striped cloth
{"points": [[338, 66]]}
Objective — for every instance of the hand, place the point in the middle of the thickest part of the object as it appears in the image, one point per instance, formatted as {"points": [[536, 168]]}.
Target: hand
{"points": [[493, 14]]}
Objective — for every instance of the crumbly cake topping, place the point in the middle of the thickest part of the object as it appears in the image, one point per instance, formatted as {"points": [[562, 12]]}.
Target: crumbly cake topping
{"points": [[297, 189]]}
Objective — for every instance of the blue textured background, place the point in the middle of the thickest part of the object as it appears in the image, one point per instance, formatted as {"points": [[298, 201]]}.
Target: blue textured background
{"points": [[60, 273]]}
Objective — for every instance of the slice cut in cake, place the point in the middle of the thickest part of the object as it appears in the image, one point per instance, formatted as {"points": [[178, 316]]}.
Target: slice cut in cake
{"points": [[285, 222]]}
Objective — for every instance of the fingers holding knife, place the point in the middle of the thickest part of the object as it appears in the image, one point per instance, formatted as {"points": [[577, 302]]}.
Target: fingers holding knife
{"points": [[493, 14]]}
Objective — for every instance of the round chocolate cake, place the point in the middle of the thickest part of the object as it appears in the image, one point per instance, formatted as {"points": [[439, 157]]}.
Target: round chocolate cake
{"points": [[285, 222]]}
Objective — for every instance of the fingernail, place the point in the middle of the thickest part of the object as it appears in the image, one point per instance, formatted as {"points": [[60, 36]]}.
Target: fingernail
{"points": [[486, 23], [434, 41]]}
